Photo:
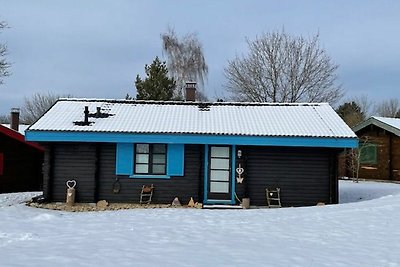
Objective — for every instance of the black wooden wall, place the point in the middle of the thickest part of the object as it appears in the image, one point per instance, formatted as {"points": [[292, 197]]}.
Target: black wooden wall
{"points": [[22, 166], [78, 161], [306, 176]]}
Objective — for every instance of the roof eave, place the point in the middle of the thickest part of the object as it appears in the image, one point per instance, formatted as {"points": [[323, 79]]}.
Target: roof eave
{"points": [[378, 123]]}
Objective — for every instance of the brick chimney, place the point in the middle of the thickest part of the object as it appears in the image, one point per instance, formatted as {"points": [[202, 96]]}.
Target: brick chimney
{"points": [[190, 91], [15, 119]]}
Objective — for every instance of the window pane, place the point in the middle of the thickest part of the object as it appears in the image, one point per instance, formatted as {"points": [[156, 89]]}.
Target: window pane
{"points": [[158, 169], [142, 148], [142, 158], [220, 164], [219, 175], [142, 168], [219, 187], [217, 151], [368, 154], [159, 158], [159, 149]]}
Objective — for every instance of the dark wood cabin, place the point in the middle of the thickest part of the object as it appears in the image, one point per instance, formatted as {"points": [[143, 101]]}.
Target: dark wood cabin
{"points": [[379, 148], [189, 149], [20, 163]]}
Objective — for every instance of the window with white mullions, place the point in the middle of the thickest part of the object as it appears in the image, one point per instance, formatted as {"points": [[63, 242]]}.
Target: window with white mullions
{"points": [[150, 159]]}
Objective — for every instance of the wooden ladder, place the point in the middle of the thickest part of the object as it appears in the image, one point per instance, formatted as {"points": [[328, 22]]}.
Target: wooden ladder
{"points": [[146, 194], [273, 197]]}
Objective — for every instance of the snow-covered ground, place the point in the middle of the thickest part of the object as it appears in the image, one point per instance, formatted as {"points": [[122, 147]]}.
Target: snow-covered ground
{"points": [[362, 231]]}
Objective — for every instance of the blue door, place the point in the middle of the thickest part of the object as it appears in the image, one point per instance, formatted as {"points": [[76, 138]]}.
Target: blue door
{"points": [[219, 182]]}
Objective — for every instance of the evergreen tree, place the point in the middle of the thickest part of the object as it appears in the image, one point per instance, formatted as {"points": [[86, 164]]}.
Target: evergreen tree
{"points": [[351, 113], [157, 85]]}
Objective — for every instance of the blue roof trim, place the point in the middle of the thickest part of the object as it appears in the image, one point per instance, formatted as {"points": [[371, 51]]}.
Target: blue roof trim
{"points": [[49, 136]]}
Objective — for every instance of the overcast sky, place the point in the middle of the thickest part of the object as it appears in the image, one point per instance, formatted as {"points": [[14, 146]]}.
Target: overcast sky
{"points": [[96, 48]]}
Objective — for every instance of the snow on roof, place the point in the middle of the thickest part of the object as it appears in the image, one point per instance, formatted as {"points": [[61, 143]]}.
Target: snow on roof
{"points": [[389, 124], [221, 118], [21, 127]]}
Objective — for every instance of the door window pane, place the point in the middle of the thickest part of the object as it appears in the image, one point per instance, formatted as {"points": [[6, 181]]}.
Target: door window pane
{"points": [[219, 175], [221, 152], [219, 187], [220, 164]]}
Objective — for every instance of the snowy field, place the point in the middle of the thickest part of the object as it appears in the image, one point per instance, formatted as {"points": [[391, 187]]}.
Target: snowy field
{"points": [[362, 231]]}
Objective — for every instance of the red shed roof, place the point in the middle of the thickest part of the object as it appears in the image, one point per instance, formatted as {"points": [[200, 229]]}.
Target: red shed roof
{"points": [[19, 137]]}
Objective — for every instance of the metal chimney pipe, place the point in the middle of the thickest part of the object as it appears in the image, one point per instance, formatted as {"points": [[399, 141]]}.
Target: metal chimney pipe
{"points": [[15, 119], [86, 115]]}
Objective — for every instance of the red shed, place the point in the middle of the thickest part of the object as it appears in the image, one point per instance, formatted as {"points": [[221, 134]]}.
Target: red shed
{"points": [[20, 161]]}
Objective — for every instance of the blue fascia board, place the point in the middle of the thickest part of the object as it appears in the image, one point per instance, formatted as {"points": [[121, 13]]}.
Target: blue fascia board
{"points": [[58, 136]]}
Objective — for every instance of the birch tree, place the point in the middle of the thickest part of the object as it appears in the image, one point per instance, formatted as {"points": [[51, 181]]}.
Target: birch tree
{"points": [[185, 59]]}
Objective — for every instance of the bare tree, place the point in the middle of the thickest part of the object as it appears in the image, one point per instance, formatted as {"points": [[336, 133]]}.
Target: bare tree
{"points": [[353, 157], [4, 64], [5, 119], [36, 105], [366, 105], [282, 68], [185, 59], [388, 108]]}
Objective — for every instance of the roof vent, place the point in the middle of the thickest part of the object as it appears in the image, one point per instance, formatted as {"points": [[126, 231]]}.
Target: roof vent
{"points": [[85, 121], [204, 107], [97, 114]]}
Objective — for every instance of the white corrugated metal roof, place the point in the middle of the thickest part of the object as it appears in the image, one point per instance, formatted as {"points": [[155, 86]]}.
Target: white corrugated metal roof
{"points": [[390, 124], [253, 119], [394, 122]]}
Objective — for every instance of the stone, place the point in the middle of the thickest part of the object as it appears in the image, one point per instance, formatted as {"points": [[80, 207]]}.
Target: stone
{"points": [[102, 204], [191, 203], [176, 202]]}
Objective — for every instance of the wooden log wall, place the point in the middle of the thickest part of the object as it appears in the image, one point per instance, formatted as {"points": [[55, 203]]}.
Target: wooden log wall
{"points": [[388, 155], [306, 176]]}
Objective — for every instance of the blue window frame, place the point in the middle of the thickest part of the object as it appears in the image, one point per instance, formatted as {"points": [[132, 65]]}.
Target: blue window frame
{"points": [[146, 160]]}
